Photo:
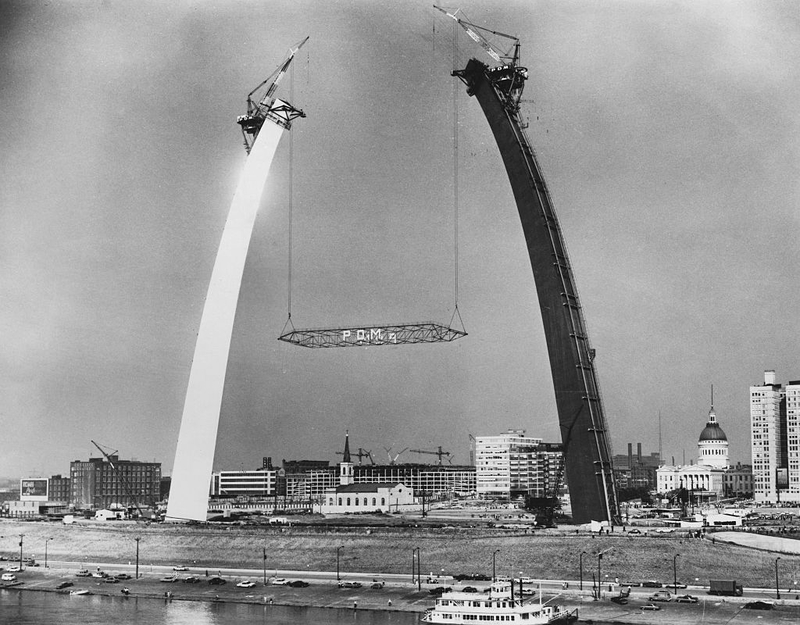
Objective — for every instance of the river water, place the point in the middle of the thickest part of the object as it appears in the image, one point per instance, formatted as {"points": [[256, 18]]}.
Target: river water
{"points": [[48, 608]]}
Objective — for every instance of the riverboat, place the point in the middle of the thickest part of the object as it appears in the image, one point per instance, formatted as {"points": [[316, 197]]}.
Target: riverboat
{"points": [[467, 608]]}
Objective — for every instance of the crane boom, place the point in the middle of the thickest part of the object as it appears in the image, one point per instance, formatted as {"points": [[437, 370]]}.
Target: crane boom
{"points": [[121, 477], [472, 30]]}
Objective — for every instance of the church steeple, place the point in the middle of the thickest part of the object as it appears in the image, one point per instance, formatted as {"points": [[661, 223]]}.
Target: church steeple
{"points": [[346, 465], [346, 456]]}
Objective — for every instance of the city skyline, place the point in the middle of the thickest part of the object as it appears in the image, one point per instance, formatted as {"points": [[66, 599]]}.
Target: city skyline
{"points": [[665, 131]]}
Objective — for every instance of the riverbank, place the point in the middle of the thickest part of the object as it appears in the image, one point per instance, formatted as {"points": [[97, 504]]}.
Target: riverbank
{"points": [[359, 553], [400, 597]]}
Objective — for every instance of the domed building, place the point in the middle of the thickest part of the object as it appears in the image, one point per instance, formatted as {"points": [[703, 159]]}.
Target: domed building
{"points": [[712, 446], [712, 477]]}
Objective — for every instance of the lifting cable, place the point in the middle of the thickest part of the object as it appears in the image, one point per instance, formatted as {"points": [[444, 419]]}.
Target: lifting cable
{"points": [[291, 197], [455, 182]]}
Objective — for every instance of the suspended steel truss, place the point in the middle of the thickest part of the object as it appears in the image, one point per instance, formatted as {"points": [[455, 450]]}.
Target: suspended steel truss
{"points": [[364, 336]]}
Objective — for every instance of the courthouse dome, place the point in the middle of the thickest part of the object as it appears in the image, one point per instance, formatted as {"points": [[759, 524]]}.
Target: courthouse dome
{"points": [[712, 431]]}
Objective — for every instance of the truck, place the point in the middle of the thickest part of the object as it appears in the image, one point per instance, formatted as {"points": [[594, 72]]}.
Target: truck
{"points": [[726, 587]]}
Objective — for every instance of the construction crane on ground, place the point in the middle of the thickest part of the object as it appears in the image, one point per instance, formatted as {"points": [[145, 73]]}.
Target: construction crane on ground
{"points": [[361, 453], [396, 456], [123, 480], [439, 452], [258, 109]]}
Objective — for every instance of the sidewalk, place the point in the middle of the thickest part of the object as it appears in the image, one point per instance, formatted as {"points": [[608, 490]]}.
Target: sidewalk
{"points": [[759, 541]]}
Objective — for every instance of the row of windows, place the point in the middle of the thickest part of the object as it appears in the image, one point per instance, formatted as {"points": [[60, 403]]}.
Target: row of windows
{"points": [[365, 501]]}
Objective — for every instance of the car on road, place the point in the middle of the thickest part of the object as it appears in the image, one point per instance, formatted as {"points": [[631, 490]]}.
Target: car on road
{"points": [[14, 569], [439, 591], [651, 583], [634, 531], [661, 595], [685, 599], [299, 583], [246, 584], [759, 605], [651, 607], [217, 581], [8, 577], [169, 579], [180, 568], [350, 584], [281, 581], [63, 585], [469, 589], [83, 573], [191, 580], [122, 576]]}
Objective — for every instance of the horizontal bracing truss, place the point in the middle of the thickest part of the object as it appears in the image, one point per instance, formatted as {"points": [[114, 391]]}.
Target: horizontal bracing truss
{"points": [[400, 334]]}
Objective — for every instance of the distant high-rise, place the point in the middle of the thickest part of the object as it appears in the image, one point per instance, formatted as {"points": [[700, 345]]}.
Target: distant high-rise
{"points": [[774, 477]]}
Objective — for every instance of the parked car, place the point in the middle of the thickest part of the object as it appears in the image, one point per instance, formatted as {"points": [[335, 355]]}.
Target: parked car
{"points": [[376, 585], [246, 584], [661, 595], [299, 583], [651, 607], [759, 605], [686, 599], [280, 582], [469, 589], [14, 569], [100, 574], [83, 573], [122, 576], [634, 531], [63, 585], [620, 600], [8, 577], [439, 590], [217, 581], [349, 584], [180, 568], [169, 579], [652, 584], [191, 580]]}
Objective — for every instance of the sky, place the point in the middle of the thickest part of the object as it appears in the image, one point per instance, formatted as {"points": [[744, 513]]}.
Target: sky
{"points": [[666, 130]]}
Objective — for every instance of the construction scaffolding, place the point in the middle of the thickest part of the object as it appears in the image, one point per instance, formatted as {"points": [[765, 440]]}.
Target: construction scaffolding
{"points": [[400, 334]]}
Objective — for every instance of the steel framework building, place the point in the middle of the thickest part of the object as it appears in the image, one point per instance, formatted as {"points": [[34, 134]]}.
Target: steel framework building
{"points": [[584, 431]]}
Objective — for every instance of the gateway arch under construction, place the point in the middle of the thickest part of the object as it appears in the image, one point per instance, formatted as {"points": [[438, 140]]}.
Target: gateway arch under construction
{"points": [[584, 431]]}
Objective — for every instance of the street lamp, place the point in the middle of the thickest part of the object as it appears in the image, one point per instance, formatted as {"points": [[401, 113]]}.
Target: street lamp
{"points": [[777, 586], [137, 539], [675, 573], [599, 590], [416, 552], [338, 550], [580, 565], [21, 536], [494, 564], [46, 540]]}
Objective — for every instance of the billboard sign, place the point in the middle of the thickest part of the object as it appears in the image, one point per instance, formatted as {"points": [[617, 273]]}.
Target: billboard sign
{"points": [[33, 489]]}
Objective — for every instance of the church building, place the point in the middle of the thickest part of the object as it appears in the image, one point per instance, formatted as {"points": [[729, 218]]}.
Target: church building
{"points": [[351, 498]]}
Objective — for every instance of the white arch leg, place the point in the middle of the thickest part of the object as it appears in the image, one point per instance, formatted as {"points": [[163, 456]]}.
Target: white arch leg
{"points": [[194, 456]]}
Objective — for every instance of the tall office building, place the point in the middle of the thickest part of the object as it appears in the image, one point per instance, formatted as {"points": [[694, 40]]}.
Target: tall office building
{"points": [[512, 464], [773, 433]]}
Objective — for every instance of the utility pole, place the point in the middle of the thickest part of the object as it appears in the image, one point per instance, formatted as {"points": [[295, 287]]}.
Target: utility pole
{"points": [[21, 536], [137, 539], [265, 566]]}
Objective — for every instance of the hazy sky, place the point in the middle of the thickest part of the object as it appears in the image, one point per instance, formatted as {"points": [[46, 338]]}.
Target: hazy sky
{"points": [[667, 132]]}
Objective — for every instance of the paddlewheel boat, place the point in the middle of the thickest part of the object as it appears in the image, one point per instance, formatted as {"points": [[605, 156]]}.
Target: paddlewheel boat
{"points": [[465, 608]]}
